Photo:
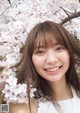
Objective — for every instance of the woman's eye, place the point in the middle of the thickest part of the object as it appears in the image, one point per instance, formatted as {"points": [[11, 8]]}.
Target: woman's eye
{"points": [[39, 52], [60, 48]]}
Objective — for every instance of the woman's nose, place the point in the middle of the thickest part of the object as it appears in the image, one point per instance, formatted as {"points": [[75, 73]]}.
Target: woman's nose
{"points": [[51, 57]]}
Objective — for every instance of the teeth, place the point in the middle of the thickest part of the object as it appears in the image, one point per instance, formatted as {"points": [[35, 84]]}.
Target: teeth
{"points": [[52, 69]]}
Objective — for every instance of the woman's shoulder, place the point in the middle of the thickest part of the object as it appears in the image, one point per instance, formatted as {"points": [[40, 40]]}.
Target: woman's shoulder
{"points": [[74, 92], [23, 108], [46, 106]]}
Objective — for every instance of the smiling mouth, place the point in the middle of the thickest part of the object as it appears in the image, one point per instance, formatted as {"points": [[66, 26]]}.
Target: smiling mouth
{"points": [[53, 69]]}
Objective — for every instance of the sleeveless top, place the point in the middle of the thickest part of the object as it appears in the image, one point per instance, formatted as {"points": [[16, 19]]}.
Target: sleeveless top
{"points": [[67, 106]]}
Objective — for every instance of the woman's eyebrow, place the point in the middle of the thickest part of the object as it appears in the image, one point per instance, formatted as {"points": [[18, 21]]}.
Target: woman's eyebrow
{"points": [[40, 46], [56, 44]]}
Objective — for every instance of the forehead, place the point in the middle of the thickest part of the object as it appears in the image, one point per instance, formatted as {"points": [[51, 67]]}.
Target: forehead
{"points": [[47, 40]]}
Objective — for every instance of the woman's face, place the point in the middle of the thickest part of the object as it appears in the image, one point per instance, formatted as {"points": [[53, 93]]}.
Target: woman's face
{"points": [[51, 63]]}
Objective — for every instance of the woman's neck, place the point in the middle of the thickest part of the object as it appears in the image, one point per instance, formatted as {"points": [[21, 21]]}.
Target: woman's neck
{"points": [[62, 91]]}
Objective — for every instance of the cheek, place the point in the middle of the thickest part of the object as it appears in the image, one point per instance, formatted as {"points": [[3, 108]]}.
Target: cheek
{"points": [[65, 57], [37, 62]]}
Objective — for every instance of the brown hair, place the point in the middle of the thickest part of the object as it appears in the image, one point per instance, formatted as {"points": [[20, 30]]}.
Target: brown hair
{"points": [[44, 33]]}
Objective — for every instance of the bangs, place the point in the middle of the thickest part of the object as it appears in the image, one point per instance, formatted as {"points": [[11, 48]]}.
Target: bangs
{"points": [[46, 39]]}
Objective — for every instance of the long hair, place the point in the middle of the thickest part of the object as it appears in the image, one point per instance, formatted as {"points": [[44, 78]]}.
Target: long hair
{"points": [[44, 33]]}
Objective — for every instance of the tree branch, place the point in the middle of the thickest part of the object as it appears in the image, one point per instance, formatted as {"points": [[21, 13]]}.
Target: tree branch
{"points": [[67, 12], [70, 17], [9, 1]]}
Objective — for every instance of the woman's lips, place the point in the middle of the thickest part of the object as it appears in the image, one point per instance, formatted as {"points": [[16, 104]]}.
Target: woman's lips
{"points": [[53, 70]]}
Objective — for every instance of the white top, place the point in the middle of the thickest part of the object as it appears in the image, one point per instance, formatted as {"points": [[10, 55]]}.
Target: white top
{"points": [[67, 106]]}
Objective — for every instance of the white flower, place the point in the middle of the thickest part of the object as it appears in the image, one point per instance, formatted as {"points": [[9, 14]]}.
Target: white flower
{"points": [[19, 88], [22, 98], [2, 78], [32, 92], [7, 88], [23, 88], [8, 72], [16, 93], [12, 80]]}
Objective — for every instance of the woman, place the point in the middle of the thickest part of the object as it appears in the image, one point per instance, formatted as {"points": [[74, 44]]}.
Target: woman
{"points": [[49, 65]]}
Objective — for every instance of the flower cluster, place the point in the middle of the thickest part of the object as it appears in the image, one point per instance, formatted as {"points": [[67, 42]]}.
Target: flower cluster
{"points": [[16, 93]]}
